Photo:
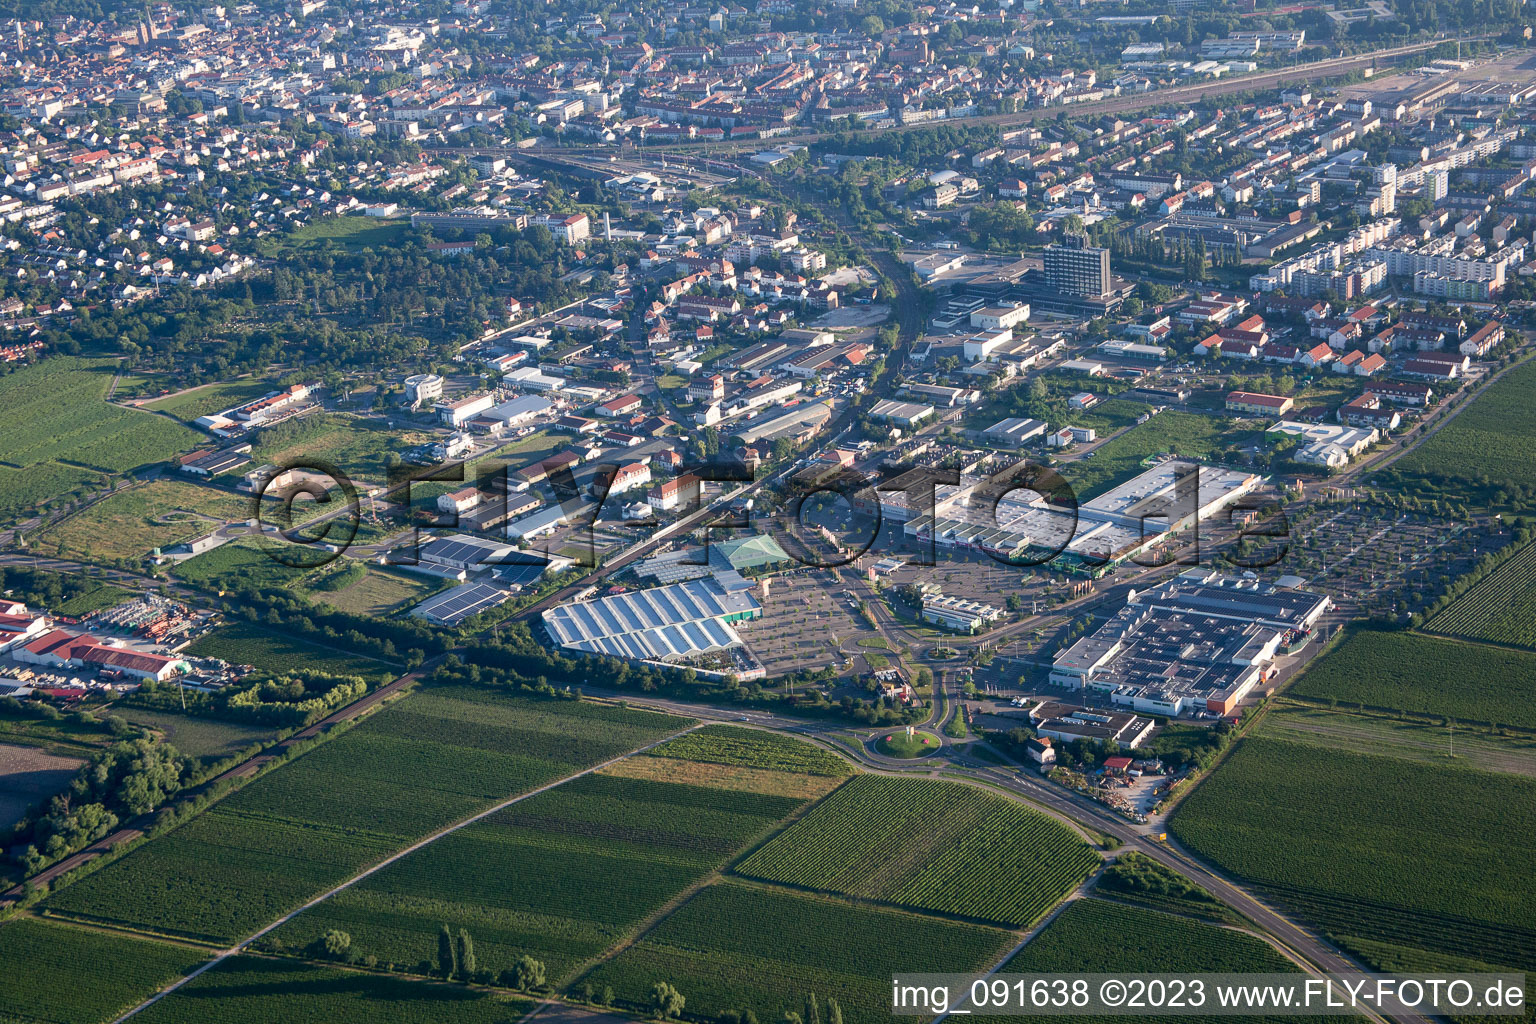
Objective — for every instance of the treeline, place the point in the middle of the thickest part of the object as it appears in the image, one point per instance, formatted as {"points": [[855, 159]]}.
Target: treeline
{"points": [[132, 777], [42, 589], [281, 701], [1451, 589], [409, 640]]}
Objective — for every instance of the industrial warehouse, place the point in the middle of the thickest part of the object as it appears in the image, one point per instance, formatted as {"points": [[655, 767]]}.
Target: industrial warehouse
{"points": [[666, 624], [1200, 642], [998, 515]]}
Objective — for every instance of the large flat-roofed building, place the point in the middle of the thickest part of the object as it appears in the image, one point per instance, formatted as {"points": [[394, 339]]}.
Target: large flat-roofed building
{"points": [[459, 411], [999, 318], [1125, 731], [905, 414], [1015, 431], [1200, 642], [1003, 516], [958, 614], [1325, 444], [664, 624], [1077, 268]]}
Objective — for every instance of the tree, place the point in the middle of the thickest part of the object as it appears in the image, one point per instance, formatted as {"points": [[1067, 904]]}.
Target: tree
{"points": [[812, 1011], [336, 943], [447, 956], [466, 954], [666, 1001], [528, 973], [834, 1012]]}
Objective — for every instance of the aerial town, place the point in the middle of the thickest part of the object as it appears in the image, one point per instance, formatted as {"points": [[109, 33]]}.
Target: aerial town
{"points": [[694, 514]]}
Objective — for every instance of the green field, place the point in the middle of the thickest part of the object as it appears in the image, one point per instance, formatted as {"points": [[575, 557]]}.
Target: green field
{"points": [[930, 845], [1409, 672], [360, 448], [55, 410], [377, 593], [104, 596], [256, 990], [899, 744], [753, 748], [240, 563], [1489, 448], [1411, 739], [1499, 609], [740, 947], [211, 398], [1347, 841], [415, 767], [344, 232], [25, 492], [207, 739], [1095, 936], [561, 876], [60, 974], [1114, 462], [245, 643], [130, 523]]}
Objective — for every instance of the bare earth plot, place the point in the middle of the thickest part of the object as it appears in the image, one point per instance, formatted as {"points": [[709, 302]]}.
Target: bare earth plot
{"points": [[29, 776]]}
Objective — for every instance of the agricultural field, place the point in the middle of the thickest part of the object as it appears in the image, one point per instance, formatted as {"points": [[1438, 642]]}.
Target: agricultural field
{"points": [[753, 748], [256, 990], [410, 769], [1342, 840], [245, 643], [239, 563], [1499, 609], [207, 739], [1427, 675], [25, 492], [132, 522], [1095, 936], [94, 600], [1483, 455], [211, 398], [59, 974], [931, 845], [377, 593], [55, 410], [29, 776], [561, 876], [745, 947], [1188, 434], [1410, 739]]}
